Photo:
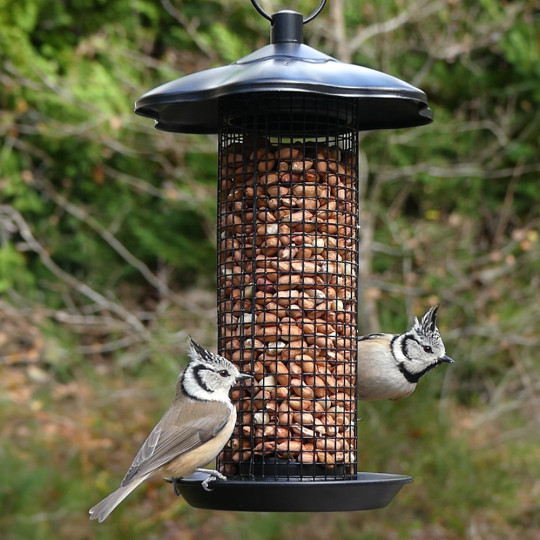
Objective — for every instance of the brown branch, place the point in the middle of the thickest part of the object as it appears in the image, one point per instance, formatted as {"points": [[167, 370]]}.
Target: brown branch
{"points": [[109, 238], [459, 170], [414, 12], [15, 218], [191, 28]]}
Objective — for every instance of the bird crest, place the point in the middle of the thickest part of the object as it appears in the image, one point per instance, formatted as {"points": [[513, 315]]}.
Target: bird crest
{"points": [[427, 327]]}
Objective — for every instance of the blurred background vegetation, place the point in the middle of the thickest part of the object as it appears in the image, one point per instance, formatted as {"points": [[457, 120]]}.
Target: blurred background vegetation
{"points": [[107, 260]]}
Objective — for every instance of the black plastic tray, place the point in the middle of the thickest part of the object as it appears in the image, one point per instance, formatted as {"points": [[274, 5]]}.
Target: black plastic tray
{"points": [[365, 492]]}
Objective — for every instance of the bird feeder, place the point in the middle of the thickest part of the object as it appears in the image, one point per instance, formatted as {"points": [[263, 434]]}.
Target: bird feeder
{"points": [[288, 118]]}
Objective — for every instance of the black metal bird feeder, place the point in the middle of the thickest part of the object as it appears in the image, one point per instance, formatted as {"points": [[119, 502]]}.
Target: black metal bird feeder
{"points": [[288, 119]]}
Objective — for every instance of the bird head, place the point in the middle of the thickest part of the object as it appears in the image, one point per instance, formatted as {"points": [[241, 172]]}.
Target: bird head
{"points": [[209, 376], [422, 346]]}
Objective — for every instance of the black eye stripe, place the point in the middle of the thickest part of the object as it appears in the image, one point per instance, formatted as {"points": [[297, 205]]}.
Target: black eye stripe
{"points": [[404, 350], [197, 373], [427, 348]]}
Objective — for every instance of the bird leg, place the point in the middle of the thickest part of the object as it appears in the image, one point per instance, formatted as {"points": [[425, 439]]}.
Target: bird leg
{"points": [[174, 482], [213, 476]]}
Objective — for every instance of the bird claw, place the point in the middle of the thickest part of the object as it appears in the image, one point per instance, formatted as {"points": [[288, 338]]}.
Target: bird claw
{"points": [[205, 485], [213, 475]]}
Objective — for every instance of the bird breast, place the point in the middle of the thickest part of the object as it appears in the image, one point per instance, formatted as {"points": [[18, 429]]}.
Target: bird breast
{"points": [[378, 373]]}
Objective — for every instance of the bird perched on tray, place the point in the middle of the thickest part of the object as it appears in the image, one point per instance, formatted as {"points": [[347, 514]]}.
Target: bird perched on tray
{"points": [[191, 432], [390, 365]]}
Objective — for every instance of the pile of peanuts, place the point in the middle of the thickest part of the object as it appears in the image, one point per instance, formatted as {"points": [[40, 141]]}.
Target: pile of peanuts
{"points": [[287, 266]]}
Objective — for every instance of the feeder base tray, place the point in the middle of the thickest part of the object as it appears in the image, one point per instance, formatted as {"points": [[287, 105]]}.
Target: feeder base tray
{"points": [[366, 492]]}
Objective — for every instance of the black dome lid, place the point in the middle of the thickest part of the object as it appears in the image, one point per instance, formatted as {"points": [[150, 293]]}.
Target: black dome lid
{"points": [[190, 104]]}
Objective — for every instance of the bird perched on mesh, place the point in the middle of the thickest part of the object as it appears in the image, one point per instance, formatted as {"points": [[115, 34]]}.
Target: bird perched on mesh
{"points": [[191, 432], [390, 365]]}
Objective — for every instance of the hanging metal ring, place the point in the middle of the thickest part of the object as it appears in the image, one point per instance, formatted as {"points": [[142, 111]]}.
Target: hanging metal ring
{"points": [[261, 11]]}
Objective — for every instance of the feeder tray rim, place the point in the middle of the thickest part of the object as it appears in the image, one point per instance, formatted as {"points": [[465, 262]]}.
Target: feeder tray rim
{"points": [[367, 491]]}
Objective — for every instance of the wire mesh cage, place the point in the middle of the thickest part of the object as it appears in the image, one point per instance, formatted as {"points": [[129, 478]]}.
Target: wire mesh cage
{"points": [[287, 283]]}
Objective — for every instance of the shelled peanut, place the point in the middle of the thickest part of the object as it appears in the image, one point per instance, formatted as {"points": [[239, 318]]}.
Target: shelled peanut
{"points": [[287, 271]]}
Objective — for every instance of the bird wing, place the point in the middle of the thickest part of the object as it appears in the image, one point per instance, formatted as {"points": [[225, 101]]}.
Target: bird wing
{"points": [[183, 427]]}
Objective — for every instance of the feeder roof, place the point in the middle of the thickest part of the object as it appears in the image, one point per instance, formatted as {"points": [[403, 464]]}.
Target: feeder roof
{"points": [[190, 104]]}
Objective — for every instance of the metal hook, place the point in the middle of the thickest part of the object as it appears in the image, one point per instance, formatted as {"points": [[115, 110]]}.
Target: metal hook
{"points": [[261, 11], [315, 13]]}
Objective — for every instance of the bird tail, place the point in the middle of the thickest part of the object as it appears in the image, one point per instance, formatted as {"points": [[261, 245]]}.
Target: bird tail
{"points": [[103, 508]]}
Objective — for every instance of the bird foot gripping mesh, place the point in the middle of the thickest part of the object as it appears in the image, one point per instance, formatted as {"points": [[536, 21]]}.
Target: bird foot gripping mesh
{"points": [[287, 283]]}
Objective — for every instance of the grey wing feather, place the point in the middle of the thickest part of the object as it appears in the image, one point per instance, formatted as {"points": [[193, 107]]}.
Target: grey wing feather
{"points": [[180, 430], [144, 454]]}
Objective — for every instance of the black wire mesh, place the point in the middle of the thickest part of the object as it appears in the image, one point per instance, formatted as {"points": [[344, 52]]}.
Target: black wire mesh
{"points": [[287, 283]]}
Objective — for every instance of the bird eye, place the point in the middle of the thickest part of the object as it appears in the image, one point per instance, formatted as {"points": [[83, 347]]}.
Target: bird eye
{"points": [[224, 373], [428, 349]]}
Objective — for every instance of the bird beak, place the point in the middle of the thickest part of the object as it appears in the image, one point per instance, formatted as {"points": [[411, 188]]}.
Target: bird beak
{"points": [[447, 359], [242, 376]]}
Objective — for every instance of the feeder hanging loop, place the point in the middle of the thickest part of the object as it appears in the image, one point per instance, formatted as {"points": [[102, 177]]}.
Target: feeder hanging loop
{"points": [[270, 18]]}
